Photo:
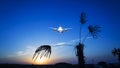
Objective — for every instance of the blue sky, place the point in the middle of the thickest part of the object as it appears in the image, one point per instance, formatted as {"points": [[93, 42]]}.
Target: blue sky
{"points": [[24, 25]]}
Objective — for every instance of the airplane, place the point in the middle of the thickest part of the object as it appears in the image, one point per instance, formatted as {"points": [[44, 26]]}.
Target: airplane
{"points": [[60, 29]]}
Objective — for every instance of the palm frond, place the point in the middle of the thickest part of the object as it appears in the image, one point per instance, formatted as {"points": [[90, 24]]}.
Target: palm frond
{"points": [[44, 50], [118, 50], [115, 51], [83, 18], [94, 30]]}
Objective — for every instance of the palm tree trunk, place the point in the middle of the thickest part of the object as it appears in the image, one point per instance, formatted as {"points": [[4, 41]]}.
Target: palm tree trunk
{"points": [[80, 33], [80, 55]]}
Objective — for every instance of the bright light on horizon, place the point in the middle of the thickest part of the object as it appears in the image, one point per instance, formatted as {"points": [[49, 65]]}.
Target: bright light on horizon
{"points": [[41, 61]]}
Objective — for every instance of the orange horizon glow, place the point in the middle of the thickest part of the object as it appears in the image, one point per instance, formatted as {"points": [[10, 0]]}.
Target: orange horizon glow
{"points": [[42, 61]]}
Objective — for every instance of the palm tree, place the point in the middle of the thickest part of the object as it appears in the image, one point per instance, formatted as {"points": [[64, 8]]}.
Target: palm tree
{"points": [[116, 52], [93, 31], [44, 50]]}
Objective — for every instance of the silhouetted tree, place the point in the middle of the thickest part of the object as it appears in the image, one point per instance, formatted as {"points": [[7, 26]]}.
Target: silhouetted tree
{"points": [[116, 52], [44, 50], [93, 31]]}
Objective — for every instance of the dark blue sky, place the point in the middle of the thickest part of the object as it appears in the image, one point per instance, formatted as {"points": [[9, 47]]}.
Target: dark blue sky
{"points": [[24, 25]]}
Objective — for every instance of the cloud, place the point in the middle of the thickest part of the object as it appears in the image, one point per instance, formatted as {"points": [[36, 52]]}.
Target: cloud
{"points": [[61, 43], [29, 50], [69, 43], [25, 55], [20, 53]]}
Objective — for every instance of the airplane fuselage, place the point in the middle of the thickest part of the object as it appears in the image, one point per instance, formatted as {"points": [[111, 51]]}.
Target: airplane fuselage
{"points": [[60, 29]]}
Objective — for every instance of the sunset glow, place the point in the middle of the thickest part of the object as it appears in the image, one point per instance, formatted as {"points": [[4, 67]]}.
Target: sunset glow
{"points": [[24, 26], [41, 61]]}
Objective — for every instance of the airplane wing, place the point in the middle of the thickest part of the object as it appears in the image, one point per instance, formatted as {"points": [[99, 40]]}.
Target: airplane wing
{"points": [[65, 29], [55, 29]]}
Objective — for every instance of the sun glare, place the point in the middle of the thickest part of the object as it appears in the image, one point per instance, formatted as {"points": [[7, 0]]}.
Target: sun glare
{"points": [[41, 61]]}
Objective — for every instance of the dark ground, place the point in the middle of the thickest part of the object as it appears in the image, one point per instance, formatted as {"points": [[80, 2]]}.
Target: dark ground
{"points": [[59, 65]]}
